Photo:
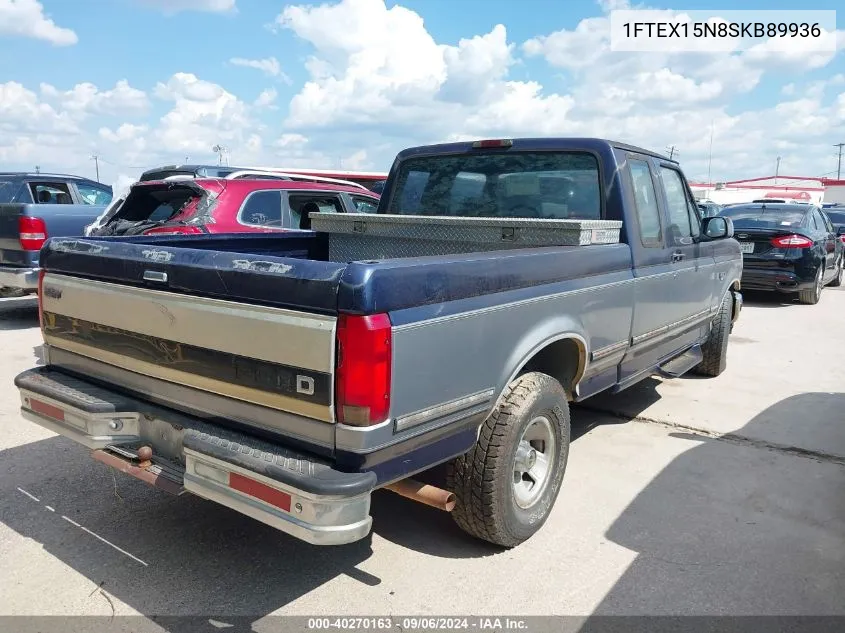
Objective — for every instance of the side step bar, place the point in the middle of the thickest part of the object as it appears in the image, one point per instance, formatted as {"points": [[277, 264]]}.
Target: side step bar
{"points": [[680, 365]]}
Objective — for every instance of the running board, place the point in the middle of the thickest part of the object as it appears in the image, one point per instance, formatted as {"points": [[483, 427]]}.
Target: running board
{"points": [[680, 365]]}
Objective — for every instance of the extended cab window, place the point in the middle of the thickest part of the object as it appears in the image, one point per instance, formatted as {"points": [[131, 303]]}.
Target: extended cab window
{"points": [[550, 185], [645, 199], [683, 218]]}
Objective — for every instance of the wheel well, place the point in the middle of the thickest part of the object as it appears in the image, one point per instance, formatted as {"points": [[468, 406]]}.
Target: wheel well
{"points": [[563, 360]]}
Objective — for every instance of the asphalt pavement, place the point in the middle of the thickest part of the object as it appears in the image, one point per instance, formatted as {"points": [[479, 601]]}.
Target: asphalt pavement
{"points": [[700, 496]]}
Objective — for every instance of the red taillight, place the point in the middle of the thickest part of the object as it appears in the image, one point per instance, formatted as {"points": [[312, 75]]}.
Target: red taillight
{"points": [[363, 369], [32, 233], [502, 142], [174, 230], [792, 241], [41, 298]]}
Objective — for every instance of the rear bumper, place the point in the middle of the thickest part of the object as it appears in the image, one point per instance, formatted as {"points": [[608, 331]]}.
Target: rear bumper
{"points": [[19, 277], [774, 280], [296, 493]]}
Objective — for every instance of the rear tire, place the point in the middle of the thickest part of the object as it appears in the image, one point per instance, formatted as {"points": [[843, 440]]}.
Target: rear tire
{"points": [[506, 485], [715, 349], [812, 296]]}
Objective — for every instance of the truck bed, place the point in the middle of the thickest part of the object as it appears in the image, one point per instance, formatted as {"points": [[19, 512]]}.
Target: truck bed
{"points": [[293, 270]]}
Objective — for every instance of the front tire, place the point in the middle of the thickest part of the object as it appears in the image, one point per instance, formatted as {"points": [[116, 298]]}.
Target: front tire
{"points": [[506, 485], [812, 296]]}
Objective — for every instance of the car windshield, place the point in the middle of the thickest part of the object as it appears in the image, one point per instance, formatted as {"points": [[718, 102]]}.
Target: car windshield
{"points": [[763, 217], [552, 185]]}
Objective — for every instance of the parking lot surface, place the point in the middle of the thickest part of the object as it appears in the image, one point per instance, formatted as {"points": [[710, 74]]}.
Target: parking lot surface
{"points": [[695, 496]]}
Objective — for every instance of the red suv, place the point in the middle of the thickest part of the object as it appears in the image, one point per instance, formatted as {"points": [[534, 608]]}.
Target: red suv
{"points": [[222, 205]]}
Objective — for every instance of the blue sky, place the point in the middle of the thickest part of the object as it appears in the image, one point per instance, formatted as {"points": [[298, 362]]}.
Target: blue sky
{"points": [[349, 83]]}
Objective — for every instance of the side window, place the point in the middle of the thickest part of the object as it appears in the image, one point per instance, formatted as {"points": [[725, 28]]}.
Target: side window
{"points": [[817, 223], [678, 206], [94, 195], [263, 208], [825, 221], [50, 193], [365, 205], [302, 206], [646, 202]]}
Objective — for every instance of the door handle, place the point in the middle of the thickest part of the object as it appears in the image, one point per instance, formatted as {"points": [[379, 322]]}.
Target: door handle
{"points": [[677, 256]]}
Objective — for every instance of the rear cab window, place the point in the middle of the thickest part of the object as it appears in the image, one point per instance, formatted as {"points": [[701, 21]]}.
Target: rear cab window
{"points": [[547, 185]]}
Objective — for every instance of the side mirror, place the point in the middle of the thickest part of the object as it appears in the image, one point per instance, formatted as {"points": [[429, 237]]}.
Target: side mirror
{"points": [[718, 227]]}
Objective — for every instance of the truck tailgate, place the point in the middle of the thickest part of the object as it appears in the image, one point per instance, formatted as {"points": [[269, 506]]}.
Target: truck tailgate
{"points": [[274, 357]]}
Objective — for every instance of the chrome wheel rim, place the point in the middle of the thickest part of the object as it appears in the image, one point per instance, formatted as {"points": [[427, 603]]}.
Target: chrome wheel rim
{"points": [[533, 461]]}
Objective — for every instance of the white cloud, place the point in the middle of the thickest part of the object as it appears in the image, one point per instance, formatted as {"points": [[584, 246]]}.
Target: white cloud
{"points": [[85, 98], [176, 6], [204, 114], [267, 99], [269, 66], [26, 18]]}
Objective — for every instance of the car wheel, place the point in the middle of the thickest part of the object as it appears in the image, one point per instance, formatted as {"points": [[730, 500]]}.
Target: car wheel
{"points": [[508, 482], [837, 280], [812, 296]]}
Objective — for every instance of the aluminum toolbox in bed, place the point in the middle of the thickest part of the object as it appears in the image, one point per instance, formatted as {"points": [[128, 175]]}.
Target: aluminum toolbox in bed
{"points": [[370, 236]]}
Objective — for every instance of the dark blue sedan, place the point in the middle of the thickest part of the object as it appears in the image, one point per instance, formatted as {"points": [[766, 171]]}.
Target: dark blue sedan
{"points": [[788, 248]]}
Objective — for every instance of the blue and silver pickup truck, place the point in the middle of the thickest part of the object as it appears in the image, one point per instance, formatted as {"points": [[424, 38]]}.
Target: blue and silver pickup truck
{"points": [[34, 207], [290, 376]]}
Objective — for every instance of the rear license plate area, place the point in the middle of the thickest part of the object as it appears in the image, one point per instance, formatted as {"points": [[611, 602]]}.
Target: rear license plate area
{"points": [[746, 247]]}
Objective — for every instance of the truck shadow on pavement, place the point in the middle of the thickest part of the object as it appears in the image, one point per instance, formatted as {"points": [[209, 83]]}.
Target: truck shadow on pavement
{"points": [[735, 527]]}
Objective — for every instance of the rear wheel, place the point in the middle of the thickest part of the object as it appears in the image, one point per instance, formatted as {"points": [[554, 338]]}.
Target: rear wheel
{"points": [[812, 296], [508, 482]]}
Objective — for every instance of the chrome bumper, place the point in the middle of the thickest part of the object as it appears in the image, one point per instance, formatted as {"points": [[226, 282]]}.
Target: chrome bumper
{"points": [[19, 277], [293, 492]]}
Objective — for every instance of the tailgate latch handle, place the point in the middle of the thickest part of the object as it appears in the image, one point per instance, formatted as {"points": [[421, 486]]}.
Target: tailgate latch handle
{"points": [[155, 275]]}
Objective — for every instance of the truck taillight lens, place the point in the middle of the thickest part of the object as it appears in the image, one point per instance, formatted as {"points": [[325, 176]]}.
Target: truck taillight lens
{"points": [[792, 241], [174, 230], [32, 233], [362, 381]]}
